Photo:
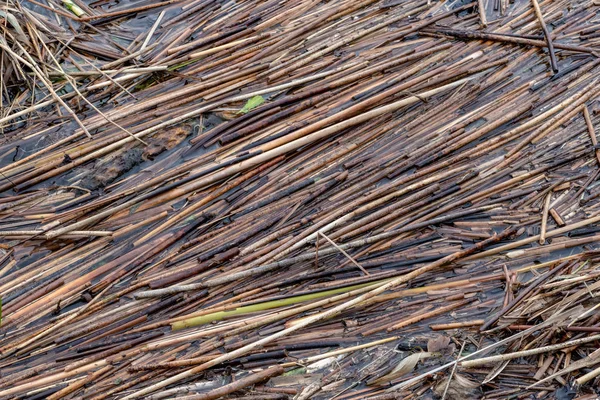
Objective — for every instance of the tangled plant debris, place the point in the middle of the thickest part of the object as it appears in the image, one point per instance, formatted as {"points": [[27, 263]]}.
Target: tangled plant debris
{"points": [[347, 199]]}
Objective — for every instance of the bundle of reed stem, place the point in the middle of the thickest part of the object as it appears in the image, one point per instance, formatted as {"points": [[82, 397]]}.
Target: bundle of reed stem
{"points": [[264, 199]]}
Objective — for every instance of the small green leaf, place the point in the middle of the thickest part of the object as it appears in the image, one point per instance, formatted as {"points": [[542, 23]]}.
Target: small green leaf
{"points": [[251, 104], [74, 8], [296, 371], [181, 65]]}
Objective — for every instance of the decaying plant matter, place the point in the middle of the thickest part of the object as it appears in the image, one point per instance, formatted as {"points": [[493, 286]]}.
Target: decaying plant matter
{"points": [[369, 199]]}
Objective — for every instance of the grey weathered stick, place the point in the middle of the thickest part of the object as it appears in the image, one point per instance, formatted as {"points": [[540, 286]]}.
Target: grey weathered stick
{"points": [[547, 36], [527, 353], [482, 17], [348, 256], [545, 217], [591, 132]]}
